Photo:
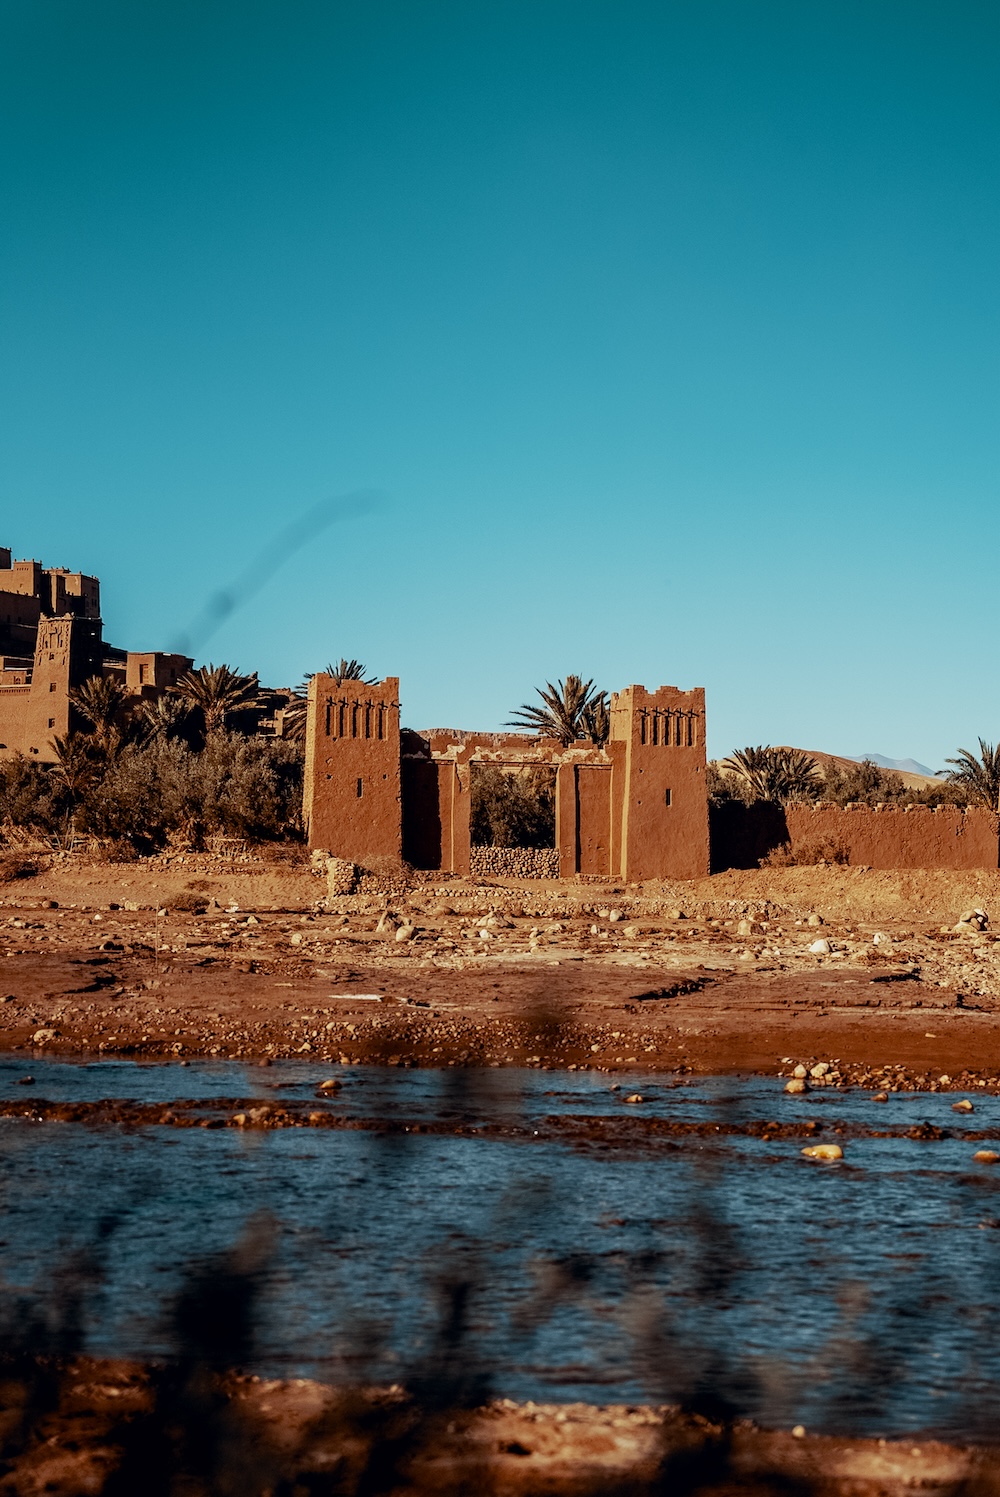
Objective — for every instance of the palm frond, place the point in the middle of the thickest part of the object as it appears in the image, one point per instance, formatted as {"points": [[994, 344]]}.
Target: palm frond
{"points": [[99, 700], [774, 774], [217, 691], [978, 777], [79, 762], [572, 710]]}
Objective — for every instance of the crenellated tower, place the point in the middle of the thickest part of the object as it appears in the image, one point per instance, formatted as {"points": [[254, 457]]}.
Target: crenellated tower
{"points": [[659, 792], [352, 801]]}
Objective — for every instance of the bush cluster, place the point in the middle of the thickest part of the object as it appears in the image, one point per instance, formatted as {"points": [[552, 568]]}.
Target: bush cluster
{"points": [[141, 795], [513, 810], [864, 784]]}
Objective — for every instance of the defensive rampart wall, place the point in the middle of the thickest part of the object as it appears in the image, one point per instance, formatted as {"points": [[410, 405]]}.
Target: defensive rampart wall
{"points": [[893, 837]]}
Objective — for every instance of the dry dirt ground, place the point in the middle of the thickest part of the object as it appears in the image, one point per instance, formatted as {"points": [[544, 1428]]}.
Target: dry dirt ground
{"points": [[175, 958], [185, 957]]}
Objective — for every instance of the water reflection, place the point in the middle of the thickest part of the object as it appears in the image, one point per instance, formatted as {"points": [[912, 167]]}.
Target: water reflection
{"points": [[727, 1271]]}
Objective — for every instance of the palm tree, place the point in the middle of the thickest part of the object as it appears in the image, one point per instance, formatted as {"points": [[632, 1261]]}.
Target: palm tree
{"points": [[776, 774], [573, 710], [78, 763], [980, 778], [596, 719], [100, 700], [346, 670], [216, 691], [293, 717], [165, 717]]}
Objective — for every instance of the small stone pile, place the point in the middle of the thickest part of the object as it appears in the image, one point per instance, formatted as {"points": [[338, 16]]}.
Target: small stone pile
{"points": [[341, 877], [515, 862]]}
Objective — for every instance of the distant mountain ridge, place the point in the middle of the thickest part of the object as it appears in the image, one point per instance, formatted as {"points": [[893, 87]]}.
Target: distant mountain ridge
{"points": [[917, 779], [904, 766]]}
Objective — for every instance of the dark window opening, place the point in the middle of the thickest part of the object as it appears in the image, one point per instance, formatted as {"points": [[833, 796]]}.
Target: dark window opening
{"points": [[666, 797], [360, 784]]}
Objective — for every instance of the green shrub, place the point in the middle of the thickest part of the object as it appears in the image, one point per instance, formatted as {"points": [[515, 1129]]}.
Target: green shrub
{"points": [[30, 797], [139, 795], [513, 809]]}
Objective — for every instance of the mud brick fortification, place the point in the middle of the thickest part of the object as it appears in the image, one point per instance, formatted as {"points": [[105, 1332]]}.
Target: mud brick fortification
{"points": [[635, 808], [51, 640], [886, 837]]}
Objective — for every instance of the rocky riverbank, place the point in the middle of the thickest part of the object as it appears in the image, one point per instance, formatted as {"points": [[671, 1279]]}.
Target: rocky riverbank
{"points": [[865, 974], [109, 1427]]}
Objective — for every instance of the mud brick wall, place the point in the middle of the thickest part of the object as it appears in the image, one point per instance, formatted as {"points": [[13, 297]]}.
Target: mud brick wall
{"points": [[516, 862], [862, 836], [897, 838]]}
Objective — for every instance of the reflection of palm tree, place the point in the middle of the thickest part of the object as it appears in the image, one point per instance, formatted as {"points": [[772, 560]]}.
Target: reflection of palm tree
{"points": [[775, 774], [979, 778], [216, 691], [573, 710], [293, 717], [100, 700]]}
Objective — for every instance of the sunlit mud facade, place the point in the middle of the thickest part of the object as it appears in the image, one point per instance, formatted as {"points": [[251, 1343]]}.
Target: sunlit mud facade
{"points": [[633, 808], [858, 836], [51, 640]]}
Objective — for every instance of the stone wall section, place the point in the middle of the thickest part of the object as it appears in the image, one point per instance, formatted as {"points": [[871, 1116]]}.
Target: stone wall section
{"points": [[515, 862]]}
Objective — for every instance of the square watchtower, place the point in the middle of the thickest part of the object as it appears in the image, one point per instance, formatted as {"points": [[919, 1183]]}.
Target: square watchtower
{"points": [[352, 798], [660, 796]]}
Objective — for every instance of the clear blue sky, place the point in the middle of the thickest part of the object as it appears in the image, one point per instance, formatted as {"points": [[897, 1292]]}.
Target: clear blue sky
{"points": [[669, 331]]}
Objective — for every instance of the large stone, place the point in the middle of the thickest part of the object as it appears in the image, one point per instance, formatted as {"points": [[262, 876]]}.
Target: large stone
{"points": [[827, 1153]]}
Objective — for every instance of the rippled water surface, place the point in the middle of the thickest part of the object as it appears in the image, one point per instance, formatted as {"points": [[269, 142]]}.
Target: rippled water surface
{"points": [[859, 1296]]}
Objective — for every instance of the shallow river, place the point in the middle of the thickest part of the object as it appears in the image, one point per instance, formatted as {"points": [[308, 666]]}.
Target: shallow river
{"points": [[609, 1266]]}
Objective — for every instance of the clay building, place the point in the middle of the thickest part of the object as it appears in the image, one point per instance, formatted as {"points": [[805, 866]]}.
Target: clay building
{"points": [[633, 808], [51, 640]]}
